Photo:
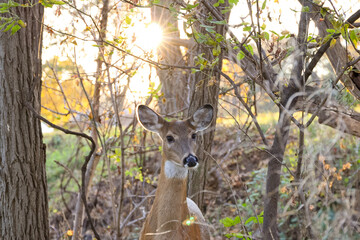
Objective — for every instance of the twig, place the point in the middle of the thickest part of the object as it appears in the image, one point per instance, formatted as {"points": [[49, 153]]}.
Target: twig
{"points": [[333, 86], [70, 172], [236, 91], [123, 224]]}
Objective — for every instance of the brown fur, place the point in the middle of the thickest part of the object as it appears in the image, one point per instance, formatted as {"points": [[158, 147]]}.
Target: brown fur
{"points": [[170, 210], [168, 213]]}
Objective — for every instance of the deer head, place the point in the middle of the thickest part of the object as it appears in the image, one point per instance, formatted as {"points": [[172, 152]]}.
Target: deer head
{"points": [[178, 137]]}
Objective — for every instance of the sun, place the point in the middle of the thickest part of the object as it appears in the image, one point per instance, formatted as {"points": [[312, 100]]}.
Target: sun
{"points": [[149, 37]]}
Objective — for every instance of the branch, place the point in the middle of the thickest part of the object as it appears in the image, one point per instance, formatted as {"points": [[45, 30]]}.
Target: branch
{"points": [[246, 106], [337, 55], [329, 113]]}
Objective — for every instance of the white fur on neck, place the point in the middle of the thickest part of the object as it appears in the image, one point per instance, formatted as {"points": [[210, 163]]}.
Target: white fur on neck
{"points": [[173, 170]]}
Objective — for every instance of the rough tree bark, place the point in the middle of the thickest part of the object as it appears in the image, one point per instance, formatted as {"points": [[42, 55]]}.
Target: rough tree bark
{"points": [[205, 90], [23, 187], [175, 81]]}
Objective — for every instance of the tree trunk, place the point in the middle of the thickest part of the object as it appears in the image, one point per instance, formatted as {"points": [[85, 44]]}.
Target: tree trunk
{"points": [[205, 90], [273, 177], [175, 82], [23, 187]]}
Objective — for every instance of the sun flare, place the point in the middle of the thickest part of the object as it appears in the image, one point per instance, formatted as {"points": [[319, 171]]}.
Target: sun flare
{"points": [[149, 37]]}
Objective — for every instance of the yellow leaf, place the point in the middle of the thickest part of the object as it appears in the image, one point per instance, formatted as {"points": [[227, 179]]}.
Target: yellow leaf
{"points": [[332, 43], [346, 166], [338, 177], [136, 140], [342, 145], [283, 190]]}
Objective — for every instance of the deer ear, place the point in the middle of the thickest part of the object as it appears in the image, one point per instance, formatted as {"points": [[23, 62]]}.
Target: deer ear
{"points": [[149, 119], [202, 118]]}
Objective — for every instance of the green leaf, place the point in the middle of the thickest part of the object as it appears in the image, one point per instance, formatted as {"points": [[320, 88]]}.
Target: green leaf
{"points": [[327, 38], [274, 33], [219, 22], [229, 222], [329, 30], [14, 29], [250, 49], [191, 6], [13, 4], [247, 29], [236, 220], [218, 3], [323, 12], [234, 2], [353, 37], [240, 55], [55, 2], [46, 4], [305, 9], [210, 30], [206, 26], [266, 35], [194, 70], [6, 22], [219, 37], [216, 50], [263, 26], [252, 219], [9, 26], [263, 5], [21, 23]]}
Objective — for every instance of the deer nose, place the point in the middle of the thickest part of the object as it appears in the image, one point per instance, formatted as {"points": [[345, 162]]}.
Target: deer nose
{"points": [[191, 161]]}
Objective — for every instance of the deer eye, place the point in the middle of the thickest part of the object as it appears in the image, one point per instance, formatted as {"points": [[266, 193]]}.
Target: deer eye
{"points": [[170, 139], [193, 136]]}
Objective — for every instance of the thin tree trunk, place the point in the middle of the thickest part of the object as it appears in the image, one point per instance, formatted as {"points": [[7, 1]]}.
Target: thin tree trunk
{"points": [[288, 101], [273, 177], [23, 187], [79, 210]]}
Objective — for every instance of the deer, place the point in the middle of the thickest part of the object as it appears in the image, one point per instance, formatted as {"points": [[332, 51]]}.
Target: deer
{"points": [[173, 216]]}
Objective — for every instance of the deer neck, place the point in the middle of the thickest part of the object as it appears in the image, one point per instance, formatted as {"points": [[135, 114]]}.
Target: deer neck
{"points": [[170, 198]]}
